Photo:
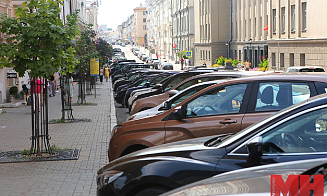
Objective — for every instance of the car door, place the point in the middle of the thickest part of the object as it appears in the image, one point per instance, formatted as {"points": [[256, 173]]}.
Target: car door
{"points": [[300, 136], [216, 111], [268, 97]]}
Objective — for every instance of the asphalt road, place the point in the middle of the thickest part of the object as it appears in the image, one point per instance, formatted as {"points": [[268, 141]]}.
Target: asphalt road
{"points": [[121, 112]]}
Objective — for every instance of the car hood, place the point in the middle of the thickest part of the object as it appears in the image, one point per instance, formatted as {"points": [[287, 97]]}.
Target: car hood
{"points": [[186, 150], [249, 181], [147, 113]]}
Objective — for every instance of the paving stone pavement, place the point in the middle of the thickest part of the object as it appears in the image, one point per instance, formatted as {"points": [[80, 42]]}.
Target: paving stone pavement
{"points": [[72, 177]]}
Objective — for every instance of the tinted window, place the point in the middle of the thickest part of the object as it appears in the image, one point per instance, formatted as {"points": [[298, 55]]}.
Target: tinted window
{"points": [[192, 82], [159, 78], [306, 133], [225, 100], [174, 82], [312, 70], [321, 87], [279, 95]]}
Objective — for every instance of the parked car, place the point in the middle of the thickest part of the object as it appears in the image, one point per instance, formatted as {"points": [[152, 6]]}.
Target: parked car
{"points": [[153, 101], [226, 107], [166, 86], [304, 69], [167, 66], [176, 98], [155, 63], [156, 79], [289, 135], [257, 180], [188, 68]]}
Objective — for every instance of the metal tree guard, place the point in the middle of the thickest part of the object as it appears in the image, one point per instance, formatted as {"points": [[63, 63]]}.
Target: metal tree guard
{"points": [[81, 89], [39, 109], [66, 104]]}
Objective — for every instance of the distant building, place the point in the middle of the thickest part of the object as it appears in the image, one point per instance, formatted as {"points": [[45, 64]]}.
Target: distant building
{"points": [[140, 27], [103, 28]]}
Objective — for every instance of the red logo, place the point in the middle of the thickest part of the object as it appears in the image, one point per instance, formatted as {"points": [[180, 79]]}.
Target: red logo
{"points": [[297, 185]]}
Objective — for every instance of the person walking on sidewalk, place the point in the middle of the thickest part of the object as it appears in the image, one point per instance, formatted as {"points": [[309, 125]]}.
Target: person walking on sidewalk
{"points": [[106, 73], [52, 85], [101, 75]]}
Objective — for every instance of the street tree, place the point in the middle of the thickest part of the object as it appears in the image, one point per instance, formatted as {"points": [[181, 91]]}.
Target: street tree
{"points": [[36, 37], [104, 49], [85, 50]]}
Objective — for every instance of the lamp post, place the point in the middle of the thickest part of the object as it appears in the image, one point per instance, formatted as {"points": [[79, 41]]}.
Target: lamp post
{"points": [[227, 49]]}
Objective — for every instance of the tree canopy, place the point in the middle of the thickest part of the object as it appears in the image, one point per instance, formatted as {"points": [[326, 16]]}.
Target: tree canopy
{"points": [[37, 37]]}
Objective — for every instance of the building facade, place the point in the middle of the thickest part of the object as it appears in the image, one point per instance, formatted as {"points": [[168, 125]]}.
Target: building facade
{"points": [[183, 26], [212, 30], [140, 26]]}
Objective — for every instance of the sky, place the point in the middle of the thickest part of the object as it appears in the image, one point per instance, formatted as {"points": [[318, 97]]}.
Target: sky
{"points": [[115, 12]]}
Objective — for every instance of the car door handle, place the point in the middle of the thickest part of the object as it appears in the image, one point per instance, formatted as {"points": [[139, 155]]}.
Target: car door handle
{"points": [[227, 121]]}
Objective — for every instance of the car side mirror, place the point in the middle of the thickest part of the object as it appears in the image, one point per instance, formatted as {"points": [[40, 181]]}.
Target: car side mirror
{"points": [[147, 84], [178, 113], [164, 106], [157, 86], [172, 92], [255, 148]]}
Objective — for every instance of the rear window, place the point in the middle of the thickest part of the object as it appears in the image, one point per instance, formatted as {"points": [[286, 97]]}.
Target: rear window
{"points": [[312, 70]]}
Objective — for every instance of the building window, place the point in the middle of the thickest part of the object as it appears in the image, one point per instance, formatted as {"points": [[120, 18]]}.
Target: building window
{"points": [[144, 12], [200, 54], [304, 16], [206, 55], [282, 60], [302, 59], [273, 59], [291, 59], [293, 18], [208, 31], [144, 27], [283, 19], [274, 20], [209, 56], [144, 19]]}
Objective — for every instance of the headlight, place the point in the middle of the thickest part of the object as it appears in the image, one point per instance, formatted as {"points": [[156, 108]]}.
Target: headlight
{"points": [[108, 177], [115, 129]]}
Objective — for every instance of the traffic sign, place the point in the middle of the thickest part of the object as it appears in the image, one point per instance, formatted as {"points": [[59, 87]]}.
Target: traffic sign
{"points": [[189, 53]]}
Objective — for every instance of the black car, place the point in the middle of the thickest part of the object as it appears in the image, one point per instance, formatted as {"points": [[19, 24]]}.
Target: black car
{"points": [[258, 180], [169, 83], [298, 132]]}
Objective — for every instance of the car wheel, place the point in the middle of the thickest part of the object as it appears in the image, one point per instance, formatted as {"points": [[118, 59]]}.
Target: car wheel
{"points": [[152, 191]]}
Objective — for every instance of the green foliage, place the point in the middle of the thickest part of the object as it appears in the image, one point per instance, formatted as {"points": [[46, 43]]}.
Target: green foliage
{"points": [[235, 62], [26, 152], [104, 49], [37, 39], [220, 61], [85, 50], [264, 64], [54, 148], [182, 54], [57, 121], [3, 111], [13, 90]]}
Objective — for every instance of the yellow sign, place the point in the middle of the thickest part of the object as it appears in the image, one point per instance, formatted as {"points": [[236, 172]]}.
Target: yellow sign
{"points": [[188, 53], [94, 67]]}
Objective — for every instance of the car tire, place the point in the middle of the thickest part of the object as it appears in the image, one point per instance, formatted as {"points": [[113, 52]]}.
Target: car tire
{"points": [[152, 191]]}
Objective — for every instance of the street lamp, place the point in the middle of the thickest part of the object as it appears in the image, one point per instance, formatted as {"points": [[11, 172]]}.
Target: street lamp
{"points": [[227, 49]]}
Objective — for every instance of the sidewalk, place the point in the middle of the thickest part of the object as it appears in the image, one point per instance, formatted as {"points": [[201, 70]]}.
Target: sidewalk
{"points": [[75, 177]]}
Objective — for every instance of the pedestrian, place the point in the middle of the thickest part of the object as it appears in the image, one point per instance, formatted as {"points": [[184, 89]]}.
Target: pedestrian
{"points": [[106, 73], [182, 62], [52, 85], [70, 88], [204, 64], [247, 65], [36, 89], [101, 75]]}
